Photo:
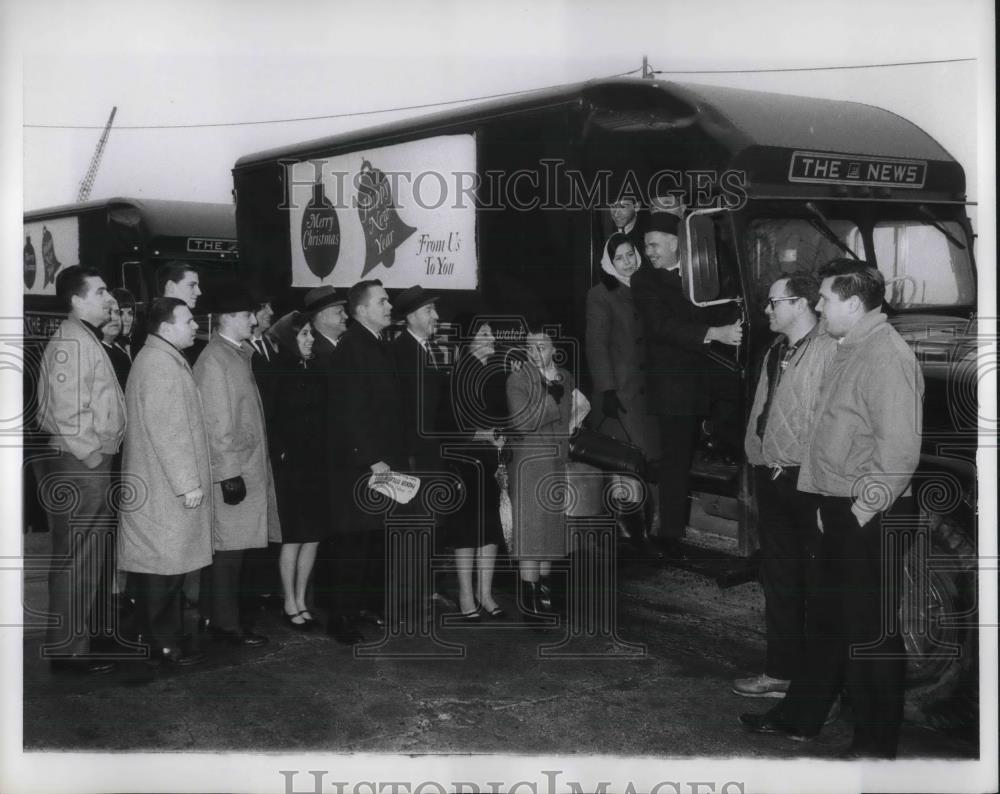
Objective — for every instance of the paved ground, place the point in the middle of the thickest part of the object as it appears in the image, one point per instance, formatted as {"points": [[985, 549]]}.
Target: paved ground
{"points": [[660, 689]]}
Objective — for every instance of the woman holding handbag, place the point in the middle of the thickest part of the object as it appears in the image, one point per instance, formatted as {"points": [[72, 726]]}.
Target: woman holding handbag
{"points": [[477, 412], [616, 357], [539, 399]]}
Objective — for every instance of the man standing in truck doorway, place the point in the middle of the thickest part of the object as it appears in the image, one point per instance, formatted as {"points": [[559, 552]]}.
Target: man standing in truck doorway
{"points": [[860, 459], [677, 334]]}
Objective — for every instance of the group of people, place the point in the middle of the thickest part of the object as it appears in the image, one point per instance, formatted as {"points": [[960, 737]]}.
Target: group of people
{"points": [[274, 432]]}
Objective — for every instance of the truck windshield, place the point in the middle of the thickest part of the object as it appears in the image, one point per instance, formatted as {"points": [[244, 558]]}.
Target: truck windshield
{"points": [[923, 268]]}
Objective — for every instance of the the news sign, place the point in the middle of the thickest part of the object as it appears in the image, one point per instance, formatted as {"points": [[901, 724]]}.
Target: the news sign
{"points": [[49, 246], [404, 214], [852, 169]]}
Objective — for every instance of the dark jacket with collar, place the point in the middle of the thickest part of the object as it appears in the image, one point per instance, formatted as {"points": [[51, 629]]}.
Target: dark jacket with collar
{"points": [[679, 371], [422, 389]]}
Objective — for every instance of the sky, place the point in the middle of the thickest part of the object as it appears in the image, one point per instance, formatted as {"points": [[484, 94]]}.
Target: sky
{"points": [[67, 63]]}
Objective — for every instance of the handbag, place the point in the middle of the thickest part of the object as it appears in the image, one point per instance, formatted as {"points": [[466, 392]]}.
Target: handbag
{"points": [[604, 452]]}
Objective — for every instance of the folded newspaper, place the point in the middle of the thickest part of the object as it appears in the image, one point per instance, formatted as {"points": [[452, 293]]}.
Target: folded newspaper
{"points": [[400, 487]]}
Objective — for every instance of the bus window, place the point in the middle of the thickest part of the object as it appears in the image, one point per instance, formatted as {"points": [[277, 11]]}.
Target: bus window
{"points": [[922, 267], [790, 245]]}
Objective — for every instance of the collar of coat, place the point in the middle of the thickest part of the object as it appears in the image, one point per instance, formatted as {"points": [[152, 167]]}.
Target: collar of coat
{"points": [[865, 327], [609, 281], [157, 342], [243, 348]]}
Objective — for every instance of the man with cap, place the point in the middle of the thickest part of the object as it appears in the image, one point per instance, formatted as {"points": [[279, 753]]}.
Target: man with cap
{"points": [[245, 507], [677, 335], [326, 308], [366, 438]]}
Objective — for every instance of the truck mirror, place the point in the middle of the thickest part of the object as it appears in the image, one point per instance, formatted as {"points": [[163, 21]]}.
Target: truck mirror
{"points": [[699, 262]]}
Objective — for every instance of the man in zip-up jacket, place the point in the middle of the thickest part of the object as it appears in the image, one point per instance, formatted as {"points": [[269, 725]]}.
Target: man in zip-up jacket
{"points": [[777, 433], [864, 449], [82, 407]]}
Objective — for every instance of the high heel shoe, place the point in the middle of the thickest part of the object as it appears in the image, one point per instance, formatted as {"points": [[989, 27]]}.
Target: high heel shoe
{"points": [[497, 613], [475, 615], [289, 620]]}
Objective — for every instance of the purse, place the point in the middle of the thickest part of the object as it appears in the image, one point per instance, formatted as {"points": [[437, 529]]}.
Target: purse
{"points": [[609, 454]]}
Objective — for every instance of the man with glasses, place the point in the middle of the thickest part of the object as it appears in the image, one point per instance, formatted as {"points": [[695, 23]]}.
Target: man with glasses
{"points": [[779, 426]]}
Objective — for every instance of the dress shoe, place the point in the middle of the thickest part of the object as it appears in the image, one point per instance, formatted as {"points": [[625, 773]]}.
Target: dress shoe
{"points": [[82, 665], [771, 722], [761, 686], [237, 637], [179, 656], [289, 620], [343, 630]]}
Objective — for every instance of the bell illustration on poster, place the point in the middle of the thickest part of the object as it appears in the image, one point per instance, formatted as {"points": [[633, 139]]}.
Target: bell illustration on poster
{"points": [[29, 263], [384, 230], [52, 264]]}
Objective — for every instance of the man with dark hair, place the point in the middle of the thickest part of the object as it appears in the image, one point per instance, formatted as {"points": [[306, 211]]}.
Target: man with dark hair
{"points": [[126, 304], [860, 458], [245, 507], [679, 375], [168, 533], [366, 438], [82, 407], [779, 427], [180, 280]]}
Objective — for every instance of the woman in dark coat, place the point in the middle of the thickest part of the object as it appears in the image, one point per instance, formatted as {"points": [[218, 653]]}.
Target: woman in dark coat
{"points": [[477, 409], [300, 453], [616, 357]]}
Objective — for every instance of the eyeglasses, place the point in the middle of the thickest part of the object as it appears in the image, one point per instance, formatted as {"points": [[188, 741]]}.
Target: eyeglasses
{"points": [[772, 301]]}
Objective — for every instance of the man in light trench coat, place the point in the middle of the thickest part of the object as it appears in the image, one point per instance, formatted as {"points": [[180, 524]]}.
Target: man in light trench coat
{"points": [[245, 508], [166, 524]]}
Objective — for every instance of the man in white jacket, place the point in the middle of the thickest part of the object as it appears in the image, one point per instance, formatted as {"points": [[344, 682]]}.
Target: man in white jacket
{"points": [[82, 407]]}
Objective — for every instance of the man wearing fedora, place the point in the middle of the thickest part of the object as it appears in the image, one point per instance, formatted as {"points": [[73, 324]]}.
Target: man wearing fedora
{"points": [[245, 507], [423, 379], [677, 334], [326, 308], [366, 438]]}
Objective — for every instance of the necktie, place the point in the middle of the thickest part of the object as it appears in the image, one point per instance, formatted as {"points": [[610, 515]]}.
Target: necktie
{"points": [[261, 348], [434, 355]]}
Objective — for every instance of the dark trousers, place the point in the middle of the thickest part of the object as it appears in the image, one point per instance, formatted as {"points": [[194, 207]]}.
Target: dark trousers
{"points": [[854, 630], [82, 526], [678, 435], [359, 572], [789, 545], [219, 596], [158, 608]]}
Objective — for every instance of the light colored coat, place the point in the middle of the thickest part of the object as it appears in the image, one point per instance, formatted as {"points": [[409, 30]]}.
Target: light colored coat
{"points": [[166, 456], [540, 448], [79, 400], [234, 419], [866, 442], [616, 353]]}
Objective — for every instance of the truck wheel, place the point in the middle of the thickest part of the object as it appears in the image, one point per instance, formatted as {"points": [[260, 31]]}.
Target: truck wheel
{"points": [[939, 615]]}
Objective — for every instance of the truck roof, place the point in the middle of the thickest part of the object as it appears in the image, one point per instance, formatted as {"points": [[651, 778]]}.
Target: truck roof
{"points": [[159, 217], [738, 119]]}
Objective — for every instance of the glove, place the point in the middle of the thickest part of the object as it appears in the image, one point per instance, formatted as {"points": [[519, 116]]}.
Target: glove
{"points": [[611, 405], [234, 490]]}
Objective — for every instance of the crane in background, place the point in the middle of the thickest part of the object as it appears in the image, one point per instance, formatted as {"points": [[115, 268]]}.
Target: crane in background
{"points": [[95, 162]]}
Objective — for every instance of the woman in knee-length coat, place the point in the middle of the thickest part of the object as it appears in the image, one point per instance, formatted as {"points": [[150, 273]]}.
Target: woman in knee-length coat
{"points": [[539, 399]]}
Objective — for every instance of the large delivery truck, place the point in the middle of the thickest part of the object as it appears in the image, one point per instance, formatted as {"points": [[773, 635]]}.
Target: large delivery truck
{"points": [[505, 205]]}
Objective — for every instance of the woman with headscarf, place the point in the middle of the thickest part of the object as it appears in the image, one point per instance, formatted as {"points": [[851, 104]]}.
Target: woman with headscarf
{"points": [[299, 427], [616, 357]]}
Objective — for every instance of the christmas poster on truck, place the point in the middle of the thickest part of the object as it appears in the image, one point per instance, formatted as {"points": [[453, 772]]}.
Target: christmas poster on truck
{"points": [[49, 246], [404, 214]]}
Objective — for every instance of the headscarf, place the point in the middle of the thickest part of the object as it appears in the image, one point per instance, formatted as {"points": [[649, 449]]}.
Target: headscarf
{"points": [[614, 241]]}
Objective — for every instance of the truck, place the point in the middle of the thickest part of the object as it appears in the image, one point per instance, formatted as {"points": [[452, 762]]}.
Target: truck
{"points": [[506, 203], [126, 239]]}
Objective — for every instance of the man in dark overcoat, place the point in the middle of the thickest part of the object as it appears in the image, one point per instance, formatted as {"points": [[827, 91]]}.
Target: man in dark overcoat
{"points": [[677, 335], [366, 438], [327, 310]]}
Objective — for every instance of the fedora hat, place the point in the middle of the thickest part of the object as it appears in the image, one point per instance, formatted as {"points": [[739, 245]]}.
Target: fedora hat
{"points": [[319, 298], [411, 299], [236, 299]]}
